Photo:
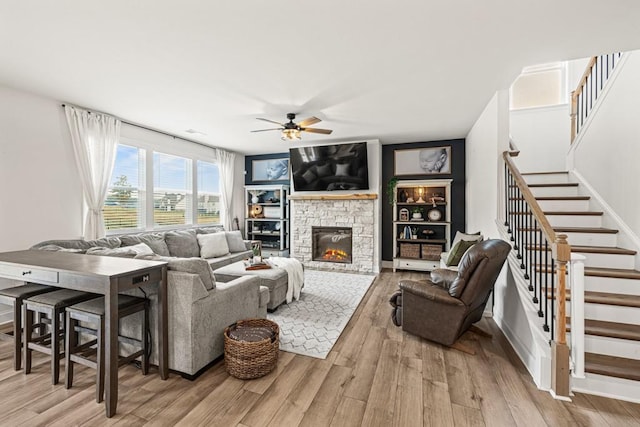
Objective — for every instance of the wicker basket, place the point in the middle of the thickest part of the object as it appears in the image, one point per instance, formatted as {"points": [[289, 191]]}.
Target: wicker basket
{"points": [[431, 252], [247, 360], [410, 250]]}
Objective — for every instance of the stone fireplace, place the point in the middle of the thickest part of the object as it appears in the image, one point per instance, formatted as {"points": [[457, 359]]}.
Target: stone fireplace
{"points": [[331, 244], [358, 213]]}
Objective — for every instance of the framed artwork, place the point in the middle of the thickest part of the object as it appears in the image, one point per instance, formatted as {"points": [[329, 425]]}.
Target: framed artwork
{"points": [[270, 169], [404, 214], [422, 161]]}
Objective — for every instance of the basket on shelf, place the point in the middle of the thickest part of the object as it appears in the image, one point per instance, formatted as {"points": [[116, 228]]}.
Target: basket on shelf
{"points": [[251, 348], [409, 250], [431, 252]]}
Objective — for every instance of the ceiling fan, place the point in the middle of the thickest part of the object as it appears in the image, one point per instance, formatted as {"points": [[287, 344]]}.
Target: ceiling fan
{"points": [[291, 130]]}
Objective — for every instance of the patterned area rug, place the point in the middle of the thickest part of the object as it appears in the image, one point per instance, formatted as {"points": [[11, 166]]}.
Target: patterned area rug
{"points": [[312, 325]]}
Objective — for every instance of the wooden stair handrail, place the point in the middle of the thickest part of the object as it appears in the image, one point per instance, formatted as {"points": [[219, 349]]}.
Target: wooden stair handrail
{"points": [[576, 93], [529, 198]]}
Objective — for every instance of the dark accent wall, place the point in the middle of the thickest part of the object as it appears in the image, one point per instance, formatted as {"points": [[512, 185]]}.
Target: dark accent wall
{"points": [[457, 187], [248, 177]]}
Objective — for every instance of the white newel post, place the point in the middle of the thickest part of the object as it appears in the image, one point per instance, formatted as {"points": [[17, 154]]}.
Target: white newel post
{"points": [[576, 282]]}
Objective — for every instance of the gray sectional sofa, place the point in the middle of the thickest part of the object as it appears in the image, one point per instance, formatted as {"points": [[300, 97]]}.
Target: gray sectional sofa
{"points": [[199, 306]]}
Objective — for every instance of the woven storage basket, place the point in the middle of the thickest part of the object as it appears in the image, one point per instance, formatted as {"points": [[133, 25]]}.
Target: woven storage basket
{"points": [[409, 250], [431, 252], [247, 360]]}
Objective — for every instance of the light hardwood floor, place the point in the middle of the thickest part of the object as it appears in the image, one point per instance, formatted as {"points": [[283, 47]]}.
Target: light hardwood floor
{"points": [[376, 375]]}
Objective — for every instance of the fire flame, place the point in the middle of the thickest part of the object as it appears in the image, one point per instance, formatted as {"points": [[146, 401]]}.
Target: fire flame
{"points": [[335, 255]]}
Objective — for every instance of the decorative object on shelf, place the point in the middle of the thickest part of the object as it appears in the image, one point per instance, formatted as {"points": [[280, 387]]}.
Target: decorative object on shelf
{"points": [[271, 212], [431, 252], [402, 196], [435, 198], [256, 211], [434, 215], [391, 191], [255, 195], [420, 199], [416, 213], [422, 161], [410, 200], [414, 233], [427, 232], [406, 234], [410, 250], [403, 215]]}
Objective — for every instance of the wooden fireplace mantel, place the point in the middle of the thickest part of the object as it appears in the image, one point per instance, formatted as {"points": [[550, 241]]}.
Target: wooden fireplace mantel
{"points": [[362, 196]]}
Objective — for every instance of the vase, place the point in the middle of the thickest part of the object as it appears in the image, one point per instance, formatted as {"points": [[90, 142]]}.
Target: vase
{"points": [[417, 215], [255, 199]]}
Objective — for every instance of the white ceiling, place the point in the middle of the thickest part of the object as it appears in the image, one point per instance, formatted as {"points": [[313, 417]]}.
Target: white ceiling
{"points": [[400, 71]]}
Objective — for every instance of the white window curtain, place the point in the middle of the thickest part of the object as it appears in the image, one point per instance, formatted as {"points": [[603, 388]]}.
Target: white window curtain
{"points": [[95, 139], [225, 164]]}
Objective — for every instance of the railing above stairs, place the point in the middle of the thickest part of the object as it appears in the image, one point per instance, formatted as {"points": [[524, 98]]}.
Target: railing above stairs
{"points": [[593, 81], [543, 257]]}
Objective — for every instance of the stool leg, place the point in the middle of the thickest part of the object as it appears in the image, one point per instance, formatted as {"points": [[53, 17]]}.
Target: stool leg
{"points": [[145, 330], [55, 347], [27, 315], [100, 362], [69, 347], [17, 334]]}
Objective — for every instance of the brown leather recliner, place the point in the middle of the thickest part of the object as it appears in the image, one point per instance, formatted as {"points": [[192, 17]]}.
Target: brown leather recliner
{"points": [[443, 308]]}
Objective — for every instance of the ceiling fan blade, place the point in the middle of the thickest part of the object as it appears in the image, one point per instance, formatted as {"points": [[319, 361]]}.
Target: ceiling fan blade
{"points": [[270, 121], [264, 130], [316, 130], [308, 122]]}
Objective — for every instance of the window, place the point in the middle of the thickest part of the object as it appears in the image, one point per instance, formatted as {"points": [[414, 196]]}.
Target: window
{"points": [[153, 190], [208, 193], [171, 190], [124, 207]]}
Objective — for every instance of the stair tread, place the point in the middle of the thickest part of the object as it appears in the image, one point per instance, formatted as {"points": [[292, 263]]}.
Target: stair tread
{"points": [[613, 366], [560, 229], [593, 297], [592, 249], [544, 173], [554, 184], [615, 273], [602, 328], [586, 213], [555, 198]]}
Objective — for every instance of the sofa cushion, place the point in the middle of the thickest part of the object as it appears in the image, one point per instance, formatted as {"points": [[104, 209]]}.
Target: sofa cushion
{"points": [[213, 245], [83, 245], [154, 240], [57, 248], [235, 241], [209, 230], [182, 243], [194, 265], [139, 250], [471, 237]]}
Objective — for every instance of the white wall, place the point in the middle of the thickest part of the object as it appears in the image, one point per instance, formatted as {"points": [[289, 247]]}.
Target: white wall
{"points": [[486, 141], [41, 193], [607, 150], [543, 137]]}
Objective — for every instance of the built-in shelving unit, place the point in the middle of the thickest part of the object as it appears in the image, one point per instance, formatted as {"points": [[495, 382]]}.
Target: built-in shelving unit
{"points": [[421, 223], [267, 218]]}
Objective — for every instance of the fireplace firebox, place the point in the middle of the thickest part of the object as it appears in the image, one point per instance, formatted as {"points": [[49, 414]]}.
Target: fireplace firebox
{"points": [[332, 244]]}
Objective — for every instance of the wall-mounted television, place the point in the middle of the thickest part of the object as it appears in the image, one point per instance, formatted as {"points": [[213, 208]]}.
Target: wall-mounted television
{"points": [[330, 167]]}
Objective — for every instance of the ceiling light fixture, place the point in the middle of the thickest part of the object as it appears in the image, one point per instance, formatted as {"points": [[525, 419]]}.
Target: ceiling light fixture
{"points": [[291, 134]]}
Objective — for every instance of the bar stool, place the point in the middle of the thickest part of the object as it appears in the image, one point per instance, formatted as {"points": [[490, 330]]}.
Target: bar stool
{"points": [[14, 297], [52, 305], [93, 312]]}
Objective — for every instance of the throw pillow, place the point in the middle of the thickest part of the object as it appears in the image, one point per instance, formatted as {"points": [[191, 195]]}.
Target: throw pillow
{"points": [[471, 237], [154, 240], [309, 176], [324, 170], [457, 251], [342, 169], [208, 230], [235, 241], [213, 245], [139, 250], [182, 243]]}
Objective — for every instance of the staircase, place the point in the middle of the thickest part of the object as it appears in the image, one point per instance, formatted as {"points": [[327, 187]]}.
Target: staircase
{"points": [[612, 286]]}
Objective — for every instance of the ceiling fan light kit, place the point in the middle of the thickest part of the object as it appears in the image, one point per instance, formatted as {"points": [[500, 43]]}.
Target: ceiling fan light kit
{"points": [[291, 131]]}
